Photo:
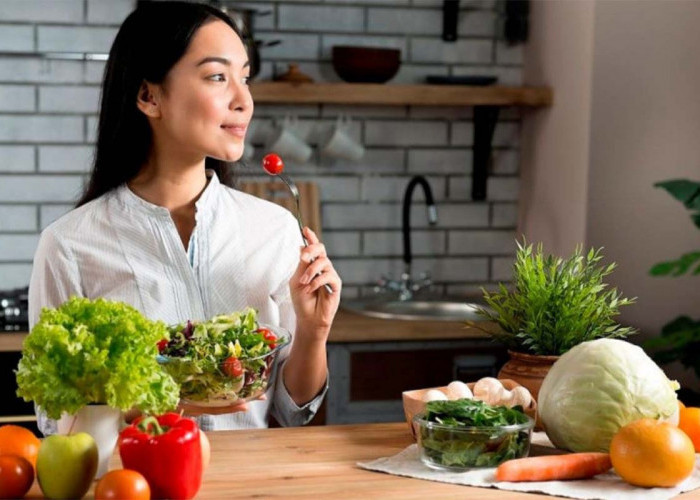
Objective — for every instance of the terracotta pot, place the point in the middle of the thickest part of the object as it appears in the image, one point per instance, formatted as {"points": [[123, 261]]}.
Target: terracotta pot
{"points": [[528, 370]]}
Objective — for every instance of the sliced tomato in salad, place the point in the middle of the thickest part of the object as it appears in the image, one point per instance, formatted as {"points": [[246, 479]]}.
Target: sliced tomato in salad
{"points": [[269, 337], [232, 367], [162, 345]]}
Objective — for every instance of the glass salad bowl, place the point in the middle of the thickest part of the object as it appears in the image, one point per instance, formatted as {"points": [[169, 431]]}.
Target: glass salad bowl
{"points": [[465, 434], [222, 362]]}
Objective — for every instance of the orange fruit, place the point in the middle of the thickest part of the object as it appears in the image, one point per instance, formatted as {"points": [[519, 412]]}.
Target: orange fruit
{"points": [[689, 423], [16, 440], [651, 453]]}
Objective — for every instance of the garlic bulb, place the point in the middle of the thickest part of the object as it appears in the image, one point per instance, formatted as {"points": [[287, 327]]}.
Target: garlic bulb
{"points": [[458, 390], [489, 390], [434, 395]]}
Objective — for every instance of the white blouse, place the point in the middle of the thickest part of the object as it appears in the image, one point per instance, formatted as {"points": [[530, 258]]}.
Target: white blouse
{"points": [[243, 252]]}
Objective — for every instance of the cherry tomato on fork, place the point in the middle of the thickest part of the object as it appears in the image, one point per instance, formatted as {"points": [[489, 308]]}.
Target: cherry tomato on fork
{"points": [[272, 164], [232, 367]]}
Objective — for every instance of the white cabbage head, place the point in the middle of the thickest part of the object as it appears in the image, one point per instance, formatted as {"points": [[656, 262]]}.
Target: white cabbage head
{"points": [[599, 386]]}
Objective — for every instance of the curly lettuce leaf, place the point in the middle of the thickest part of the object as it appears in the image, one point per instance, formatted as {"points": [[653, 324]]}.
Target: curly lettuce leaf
{"points": [[95, 352]]}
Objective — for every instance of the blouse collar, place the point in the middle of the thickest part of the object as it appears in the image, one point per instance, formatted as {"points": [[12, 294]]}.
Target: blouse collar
{"points": [[205, 203]]}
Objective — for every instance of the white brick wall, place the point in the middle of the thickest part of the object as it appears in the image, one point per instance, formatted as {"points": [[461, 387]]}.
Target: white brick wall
{"points": [[405, 133], [316, 18], [108, 11], [48, 11], [459, 52], [15, 275], [39, 128], [390, 243], [20, 69], [19, 38], [75, 39], [16, 159], [17, 218], [66, 159], [37, 188], [48, 120], [17, 98], [69, 99], [18, 247]]}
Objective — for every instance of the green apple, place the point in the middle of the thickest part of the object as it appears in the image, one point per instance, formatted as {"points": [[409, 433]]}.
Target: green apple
{"points": [[66, 465]]}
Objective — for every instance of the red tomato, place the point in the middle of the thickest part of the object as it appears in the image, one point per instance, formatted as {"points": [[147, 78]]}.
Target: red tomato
{"points": [[162, 344], [16, 476], [273, 164], [232, 367], [270, 338], [122, 483]]}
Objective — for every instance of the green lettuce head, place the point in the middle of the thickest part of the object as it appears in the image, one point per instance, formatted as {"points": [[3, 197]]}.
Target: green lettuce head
{"points": [[95, 352], [598, 387]]}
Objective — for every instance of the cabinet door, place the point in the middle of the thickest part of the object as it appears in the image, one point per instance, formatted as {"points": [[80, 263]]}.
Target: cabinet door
{"points": [[14, 410], [367, 379]]}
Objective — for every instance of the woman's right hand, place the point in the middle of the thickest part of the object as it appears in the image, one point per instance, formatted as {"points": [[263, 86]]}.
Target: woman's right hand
{"points": [[194, 411]]}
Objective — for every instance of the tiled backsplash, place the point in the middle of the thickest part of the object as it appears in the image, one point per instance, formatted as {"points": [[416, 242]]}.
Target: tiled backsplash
{"points": [[48, 116]]}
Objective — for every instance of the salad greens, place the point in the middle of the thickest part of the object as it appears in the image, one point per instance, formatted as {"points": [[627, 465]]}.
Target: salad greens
{"points": [[94, 352], [222, 360], [469, 433]]}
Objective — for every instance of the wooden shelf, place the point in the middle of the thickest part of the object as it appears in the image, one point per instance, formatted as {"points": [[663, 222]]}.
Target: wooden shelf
{"points": [[399, 95]]}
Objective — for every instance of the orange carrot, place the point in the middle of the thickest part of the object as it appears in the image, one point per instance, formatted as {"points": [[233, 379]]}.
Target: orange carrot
{"points": [[554, 467]]}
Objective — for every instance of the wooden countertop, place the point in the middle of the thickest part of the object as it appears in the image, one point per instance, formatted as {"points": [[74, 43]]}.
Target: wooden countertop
{"points": [[351, 327], [306, 462]]}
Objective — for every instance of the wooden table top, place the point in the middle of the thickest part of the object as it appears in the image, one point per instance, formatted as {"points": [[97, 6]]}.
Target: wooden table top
{"points": [[307, 462]]}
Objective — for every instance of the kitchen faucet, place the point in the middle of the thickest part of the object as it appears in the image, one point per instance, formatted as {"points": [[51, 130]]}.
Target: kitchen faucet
{"points": [[407, 287]]}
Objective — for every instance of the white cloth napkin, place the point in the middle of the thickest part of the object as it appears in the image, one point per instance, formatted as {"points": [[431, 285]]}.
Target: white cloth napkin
{"points": [[604, 486]]}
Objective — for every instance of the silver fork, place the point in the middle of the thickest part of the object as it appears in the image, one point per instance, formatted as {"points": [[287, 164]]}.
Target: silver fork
{"points": [[295, 193]]}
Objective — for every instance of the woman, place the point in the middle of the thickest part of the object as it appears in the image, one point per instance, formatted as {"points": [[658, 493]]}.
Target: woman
{"points": [[158, 230]]}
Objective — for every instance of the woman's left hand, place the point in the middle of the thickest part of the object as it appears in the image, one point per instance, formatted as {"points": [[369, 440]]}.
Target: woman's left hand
{"points": [[315, 308]]}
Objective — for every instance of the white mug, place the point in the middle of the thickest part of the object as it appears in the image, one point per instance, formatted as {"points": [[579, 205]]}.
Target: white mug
{"points": [[338, 143], [287, 144]]}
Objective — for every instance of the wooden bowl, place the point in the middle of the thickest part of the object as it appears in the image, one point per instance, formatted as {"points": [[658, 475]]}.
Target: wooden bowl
{"points": [[365, 64], [413, 403]]}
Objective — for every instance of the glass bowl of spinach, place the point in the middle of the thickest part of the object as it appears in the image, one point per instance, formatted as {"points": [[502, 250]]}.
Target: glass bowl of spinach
{"points": [[466, 433]]}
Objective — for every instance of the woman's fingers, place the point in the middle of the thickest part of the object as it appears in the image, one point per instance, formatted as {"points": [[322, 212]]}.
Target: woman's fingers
{"points": [[217, 410], [327, 278], [318, 266], [310, 236], [313, 252]]}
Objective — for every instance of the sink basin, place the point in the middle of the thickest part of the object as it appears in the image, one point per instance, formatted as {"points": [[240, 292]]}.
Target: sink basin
{"points": [[431, 310]]}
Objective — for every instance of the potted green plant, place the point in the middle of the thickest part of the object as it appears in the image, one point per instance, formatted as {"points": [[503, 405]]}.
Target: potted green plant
{"points": [[86, 361], [554, 304], [680, 338]]}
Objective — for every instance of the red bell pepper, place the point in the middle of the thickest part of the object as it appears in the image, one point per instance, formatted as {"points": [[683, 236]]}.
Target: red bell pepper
{"points": [[166, 450]]}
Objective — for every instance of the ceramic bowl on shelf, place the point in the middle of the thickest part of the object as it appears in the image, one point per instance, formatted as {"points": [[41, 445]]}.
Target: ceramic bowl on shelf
{"points": [[365, 64]]}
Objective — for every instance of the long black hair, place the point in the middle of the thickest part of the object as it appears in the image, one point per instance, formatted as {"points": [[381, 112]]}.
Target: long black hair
{"points": [[149, 43]]}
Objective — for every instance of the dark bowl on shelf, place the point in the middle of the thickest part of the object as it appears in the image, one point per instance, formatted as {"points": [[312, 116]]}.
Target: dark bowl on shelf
{"points": [[365, 64]]}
